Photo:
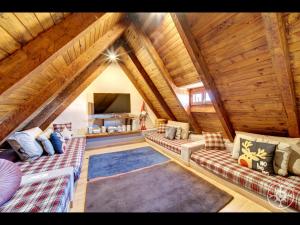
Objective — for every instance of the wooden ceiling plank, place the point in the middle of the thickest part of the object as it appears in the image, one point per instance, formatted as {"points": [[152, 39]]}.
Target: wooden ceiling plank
{"points": [[25, 113], [278, 47], [147, 44], [45, 20], [39, 52], [57, 17], [7, 42], [148, 80], [30, 22], [202, 69]]}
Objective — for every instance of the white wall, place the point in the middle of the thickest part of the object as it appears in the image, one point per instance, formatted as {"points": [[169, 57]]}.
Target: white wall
{"points": [[112, 80]]}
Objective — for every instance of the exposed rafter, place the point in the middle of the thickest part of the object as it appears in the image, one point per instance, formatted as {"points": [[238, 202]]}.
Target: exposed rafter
{"points": [[25, 113], [202, 69], [275, 33], [38, 53], [148, 80], [165, 74]]}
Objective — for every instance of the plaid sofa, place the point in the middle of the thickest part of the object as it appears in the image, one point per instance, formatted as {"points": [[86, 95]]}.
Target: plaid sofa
{"points": [[73, 157], [221, 163], [172, 145], [51, 195]]}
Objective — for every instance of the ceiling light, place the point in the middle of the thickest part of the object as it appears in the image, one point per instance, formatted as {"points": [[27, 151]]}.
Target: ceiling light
{"points": [[112, 56]]}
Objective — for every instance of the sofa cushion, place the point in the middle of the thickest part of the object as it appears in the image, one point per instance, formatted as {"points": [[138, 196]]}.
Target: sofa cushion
{"points": [[281, 159], [170, 132], [184, 126], [222, 164], [172, 145], [294, 162], [257, 155], [214, 141], [46, 143], [25, 145]]}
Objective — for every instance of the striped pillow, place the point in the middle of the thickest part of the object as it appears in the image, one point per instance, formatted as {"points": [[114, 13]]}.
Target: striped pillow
{"points": [[58, 127], [214, 141], [161, 128]]}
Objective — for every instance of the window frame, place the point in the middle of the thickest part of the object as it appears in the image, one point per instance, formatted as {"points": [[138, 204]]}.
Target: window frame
{"points": [[200, 90]]}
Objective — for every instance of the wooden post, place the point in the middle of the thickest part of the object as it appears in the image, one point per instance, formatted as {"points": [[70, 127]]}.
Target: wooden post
{"points": [[278, 47]]}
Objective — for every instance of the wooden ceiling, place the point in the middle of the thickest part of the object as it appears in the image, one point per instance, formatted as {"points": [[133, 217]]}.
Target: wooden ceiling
{"points": [[246, 61]]}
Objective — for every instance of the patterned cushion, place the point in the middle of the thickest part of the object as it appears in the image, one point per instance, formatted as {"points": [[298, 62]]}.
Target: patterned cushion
{"points": [[51, 195], [257, 155], [172, 145], [71, 158], [222, 164], [214, 141], [161, 128], [60, 126]]}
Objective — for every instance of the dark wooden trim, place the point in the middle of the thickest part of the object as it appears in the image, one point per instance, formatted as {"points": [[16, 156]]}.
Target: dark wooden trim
{"points": [[148, 80], [165, 74], [41, 51], [202, 69], [278, 47]]}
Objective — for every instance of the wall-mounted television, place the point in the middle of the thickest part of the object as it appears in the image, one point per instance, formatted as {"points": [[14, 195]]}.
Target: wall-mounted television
{"points": [[111, 103]]}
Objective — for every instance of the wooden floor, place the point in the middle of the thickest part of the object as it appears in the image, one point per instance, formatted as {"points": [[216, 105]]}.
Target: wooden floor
{"points": [[238, 204]]}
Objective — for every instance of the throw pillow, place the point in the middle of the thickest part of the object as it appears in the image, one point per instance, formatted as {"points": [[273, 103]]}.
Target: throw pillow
{"points": [[257, 155], [170, 132], [281, 159], [185, 127], [66, 133], [214, 141], [178, 133], [58, 127], [57, 142], [237, 144], [25, 146], [161, 128], [46, 143]]}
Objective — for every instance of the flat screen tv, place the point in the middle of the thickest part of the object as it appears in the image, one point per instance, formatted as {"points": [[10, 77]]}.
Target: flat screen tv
{"points": [[111, 103]]}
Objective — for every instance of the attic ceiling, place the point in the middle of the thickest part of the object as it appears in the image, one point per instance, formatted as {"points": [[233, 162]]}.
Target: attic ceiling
{"points": [[246, 61]]}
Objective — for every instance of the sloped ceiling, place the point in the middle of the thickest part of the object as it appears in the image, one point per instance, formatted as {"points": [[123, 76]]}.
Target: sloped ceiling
{"points": [[237, 50]]}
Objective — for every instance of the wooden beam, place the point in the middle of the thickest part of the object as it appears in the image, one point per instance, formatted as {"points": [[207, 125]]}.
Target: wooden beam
{"points": [[165, 74], [202, 69], [18, 118], [278, 47], [134, 82], [68, 95], [148, 80], [38, 53]]}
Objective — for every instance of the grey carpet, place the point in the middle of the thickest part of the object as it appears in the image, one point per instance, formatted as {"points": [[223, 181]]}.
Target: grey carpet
{"points": [[162, 188]]}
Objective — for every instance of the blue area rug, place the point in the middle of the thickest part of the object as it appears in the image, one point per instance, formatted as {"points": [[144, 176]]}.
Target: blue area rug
{"points": [[109, 164]]}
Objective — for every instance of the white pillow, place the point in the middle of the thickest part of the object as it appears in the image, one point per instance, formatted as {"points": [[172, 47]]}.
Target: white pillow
{"points": [[33, 132], [66, 133]]}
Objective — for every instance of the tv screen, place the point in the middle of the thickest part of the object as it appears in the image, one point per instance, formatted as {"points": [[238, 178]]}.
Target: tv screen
{"points": [[111, 103]]}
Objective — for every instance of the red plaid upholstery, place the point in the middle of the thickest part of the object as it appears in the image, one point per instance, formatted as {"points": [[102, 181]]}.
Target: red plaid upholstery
{"points": [[161, 128], [221, 163], [214, 141], [60, 126], [52, 195], [173, 145], [72, 157]]}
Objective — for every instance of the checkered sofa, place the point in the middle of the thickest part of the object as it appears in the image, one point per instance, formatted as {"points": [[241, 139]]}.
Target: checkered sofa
{"points": [[222, 164], [53, 194], [172, 145]]}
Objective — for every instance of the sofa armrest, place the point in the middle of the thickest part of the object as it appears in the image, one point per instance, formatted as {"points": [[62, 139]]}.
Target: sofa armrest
{"points": [[148, 131], [188, 148]]}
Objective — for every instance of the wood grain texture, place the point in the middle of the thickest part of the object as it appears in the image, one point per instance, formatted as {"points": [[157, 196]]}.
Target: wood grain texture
{"points": [[206, 77], [275, 33], [37, 102], [37, 54]]}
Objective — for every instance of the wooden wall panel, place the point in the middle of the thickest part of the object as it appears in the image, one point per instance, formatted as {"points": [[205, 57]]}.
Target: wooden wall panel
{"points": [[235, 48], [171, 49]]}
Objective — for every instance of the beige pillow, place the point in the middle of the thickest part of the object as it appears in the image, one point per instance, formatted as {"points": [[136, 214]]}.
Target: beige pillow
{"points": [[294, 161], [185, 127], [281, 159]]}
